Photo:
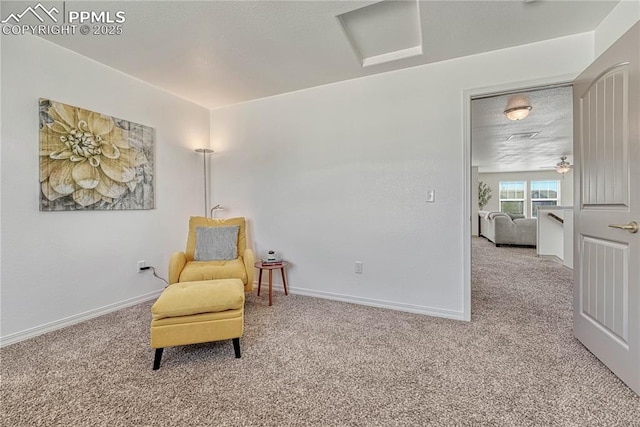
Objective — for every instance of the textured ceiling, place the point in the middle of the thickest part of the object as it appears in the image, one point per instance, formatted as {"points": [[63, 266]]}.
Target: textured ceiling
{"points": [[550, 121], [218, 53]]}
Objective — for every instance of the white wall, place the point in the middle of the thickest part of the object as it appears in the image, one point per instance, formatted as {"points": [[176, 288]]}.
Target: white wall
{"points": [[621, 18], [474, 201], [58, 265], [492, 180], [338, 174]]}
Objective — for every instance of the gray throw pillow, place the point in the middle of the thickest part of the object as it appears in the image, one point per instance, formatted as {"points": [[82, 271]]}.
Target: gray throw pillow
{"points": [[216, 243], [515, 215]]}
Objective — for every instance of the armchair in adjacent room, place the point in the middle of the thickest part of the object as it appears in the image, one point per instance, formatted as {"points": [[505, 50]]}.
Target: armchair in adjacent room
{"points": [[213, 252]]}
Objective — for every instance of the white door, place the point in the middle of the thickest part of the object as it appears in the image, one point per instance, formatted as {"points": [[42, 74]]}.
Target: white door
{"points": [[606, 301]]}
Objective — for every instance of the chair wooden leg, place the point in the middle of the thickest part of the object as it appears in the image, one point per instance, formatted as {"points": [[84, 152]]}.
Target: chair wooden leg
{"points": [[156, 360], [236, 347]]}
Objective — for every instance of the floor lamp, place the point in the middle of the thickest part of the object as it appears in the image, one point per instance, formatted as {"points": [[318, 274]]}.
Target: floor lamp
{"points": [[204, 152]]}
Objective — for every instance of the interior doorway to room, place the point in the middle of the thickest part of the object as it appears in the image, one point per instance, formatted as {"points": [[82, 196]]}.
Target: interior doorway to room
{"points": [[606, 281], [525, 163]]}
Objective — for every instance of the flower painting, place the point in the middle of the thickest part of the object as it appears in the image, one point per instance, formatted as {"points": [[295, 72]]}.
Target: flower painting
{"points": [[90, 161]]}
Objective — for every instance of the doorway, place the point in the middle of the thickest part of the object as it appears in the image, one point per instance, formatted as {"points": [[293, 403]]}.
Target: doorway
{"points": [[522, 152], [606, 115]]}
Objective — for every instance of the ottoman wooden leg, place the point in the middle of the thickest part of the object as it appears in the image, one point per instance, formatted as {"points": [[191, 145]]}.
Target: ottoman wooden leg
{"points": [[156, 360], [236, 347]]}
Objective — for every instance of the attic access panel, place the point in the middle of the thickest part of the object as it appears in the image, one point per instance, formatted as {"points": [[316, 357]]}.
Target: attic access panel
{"points": [[384, 32]]}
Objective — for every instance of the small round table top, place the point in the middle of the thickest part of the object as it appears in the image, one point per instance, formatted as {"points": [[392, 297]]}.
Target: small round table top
{"points": [[262, 266]]}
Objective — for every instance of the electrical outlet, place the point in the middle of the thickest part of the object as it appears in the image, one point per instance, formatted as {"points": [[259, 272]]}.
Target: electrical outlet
{"points": [[431, 196], [358, 267], [141, 264]]}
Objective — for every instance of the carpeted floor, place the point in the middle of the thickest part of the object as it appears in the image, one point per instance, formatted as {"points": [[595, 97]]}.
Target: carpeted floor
{"points": [[309, 361]]}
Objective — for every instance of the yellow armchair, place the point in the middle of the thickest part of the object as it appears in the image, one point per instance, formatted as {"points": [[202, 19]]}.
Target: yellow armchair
{"points": [[183, 267]]}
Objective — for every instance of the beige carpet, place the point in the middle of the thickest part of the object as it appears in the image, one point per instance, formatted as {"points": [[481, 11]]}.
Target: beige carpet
{"points": [[308, 361]]}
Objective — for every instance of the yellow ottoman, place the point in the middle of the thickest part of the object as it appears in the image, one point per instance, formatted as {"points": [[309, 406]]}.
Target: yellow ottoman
{"points": [[197, 312]]}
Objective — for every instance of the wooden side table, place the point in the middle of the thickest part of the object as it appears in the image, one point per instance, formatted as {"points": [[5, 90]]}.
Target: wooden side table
{"points": [[260, 266]]}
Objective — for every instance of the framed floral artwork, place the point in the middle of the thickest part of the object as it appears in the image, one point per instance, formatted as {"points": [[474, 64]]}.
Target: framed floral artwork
{"points": [[91, 161]]}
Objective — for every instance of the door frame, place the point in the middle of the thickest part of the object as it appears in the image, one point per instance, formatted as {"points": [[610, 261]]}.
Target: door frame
{"points": [[467, 96]]}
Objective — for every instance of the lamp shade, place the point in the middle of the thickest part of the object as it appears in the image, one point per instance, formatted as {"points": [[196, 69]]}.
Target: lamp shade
{"points": [[203, 150]]}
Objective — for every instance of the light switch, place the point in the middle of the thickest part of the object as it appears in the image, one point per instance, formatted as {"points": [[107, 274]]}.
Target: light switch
{"points": [[431, 196], [358, 267]]}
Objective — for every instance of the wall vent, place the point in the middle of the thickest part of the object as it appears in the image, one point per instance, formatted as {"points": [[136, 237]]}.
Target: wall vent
{"points": [[522, 136]]}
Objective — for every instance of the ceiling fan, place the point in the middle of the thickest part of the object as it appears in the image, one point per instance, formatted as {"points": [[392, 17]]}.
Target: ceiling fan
{"points": [[561, 167]]}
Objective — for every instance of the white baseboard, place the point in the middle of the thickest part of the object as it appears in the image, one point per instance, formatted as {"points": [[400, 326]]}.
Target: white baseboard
{"points": [[76, 318], [554, 258], [81, 317], [410, 308]]}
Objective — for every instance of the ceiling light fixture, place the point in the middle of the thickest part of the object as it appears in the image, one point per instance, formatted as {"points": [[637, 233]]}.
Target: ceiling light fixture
{"points": [[564, 166], [517, 113], [518, 107]]}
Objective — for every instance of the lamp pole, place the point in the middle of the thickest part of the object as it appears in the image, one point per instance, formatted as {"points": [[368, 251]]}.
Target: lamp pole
{"points": [[204, 152]]}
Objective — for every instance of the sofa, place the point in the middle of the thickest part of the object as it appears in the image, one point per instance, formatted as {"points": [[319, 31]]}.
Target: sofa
{"points": [[508, 229]]}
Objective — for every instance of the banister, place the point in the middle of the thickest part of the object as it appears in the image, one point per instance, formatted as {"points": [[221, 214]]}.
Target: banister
{"points": [[556, 217]]}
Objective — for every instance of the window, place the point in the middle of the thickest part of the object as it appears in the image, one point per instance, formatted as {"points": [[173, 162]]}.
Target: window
{"points": [[512, 197], [543, 193]]}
